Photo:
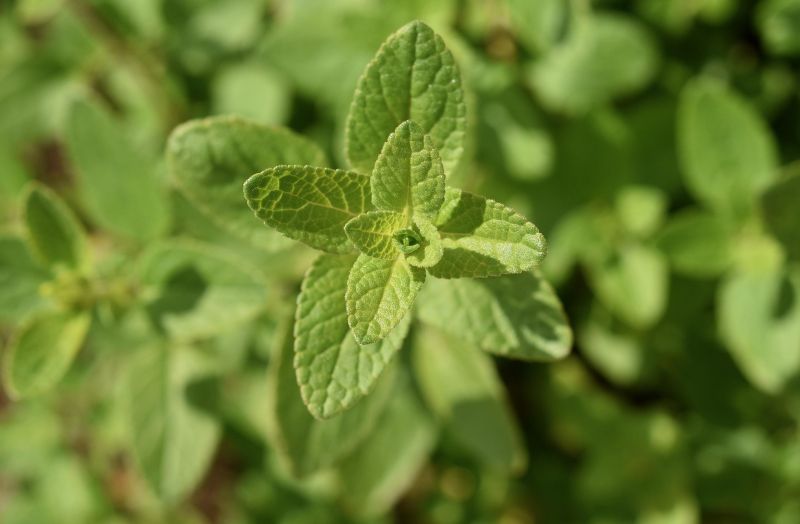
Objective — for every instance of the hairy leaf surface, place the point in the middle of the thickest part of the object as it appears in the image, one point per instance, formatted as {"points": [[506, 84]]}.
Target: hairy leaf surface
{"points": [[373, 233]]}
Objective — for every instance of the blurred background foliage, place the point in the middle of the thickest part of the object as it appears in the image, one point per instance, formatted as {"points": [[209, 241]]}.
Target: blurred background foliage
{"points": [[653, 142]]}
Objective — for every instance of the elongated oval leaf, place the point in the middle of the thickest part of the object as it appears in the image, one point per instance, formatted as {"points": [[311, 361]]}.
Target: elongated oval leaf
{"points": [[412, 77], [408, 177], [309, 204], [516, 316], [379, 294], [483, 238], [373, 233], [333, 370], [54, 234], [120, 184], [20, 278], [211, 158], [42, 352], [726, 150]]}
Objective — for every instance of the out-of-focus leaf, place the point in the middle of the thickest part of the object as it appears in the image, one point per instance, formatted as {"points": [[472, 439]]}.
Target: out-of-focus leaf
{"points": [[252, 91], [516, 316], [54, 234], [697, 243], [640, 209], [20, 279], [781, 209], [42, 352], [461, 386], [726, 150], [211, 159], [173, 440], [779, 25], [603, 57], [538, 24], [759, 320], [120, 185]]}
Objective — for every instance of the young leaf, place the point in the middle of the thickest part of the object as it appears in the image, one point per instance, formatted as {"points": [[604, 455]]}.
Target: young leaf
{"points": [[20, 278], [482, 238], [408, 177], [173, 440], [309, 204], [726, 150], [211, 158], [120, 184], [782, 213], [430, 244], [412, 77], [333, 371], [373, 479], [307, 445], [516, 316], [373, 233], [42, 352], [460, 384], [379, 294], [54, 234]]}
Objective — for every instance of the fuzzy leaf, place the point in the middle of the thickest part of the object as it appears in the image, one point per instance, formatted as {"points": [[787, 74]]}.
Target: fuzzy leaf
{"points": [[412, 77], [309, 204], [430, 251], [333, 371], [373, 233], [408, 177], [54, 234], [516, 316], [379, 294], [482, 238], [211, 158], [42, 352]]}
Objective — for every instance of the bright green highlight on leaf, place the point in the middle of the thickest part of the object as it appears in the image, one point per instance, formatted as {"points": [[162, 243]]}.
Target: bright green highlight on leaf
{"points": [[407, 240], [412, 77], [375, 233], [54, 233], [430, 251]]}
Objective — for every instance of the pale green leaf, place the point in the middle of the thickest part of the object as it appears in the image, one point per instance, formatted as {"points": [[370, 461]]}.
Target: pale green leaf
{"points": [[20, 280], [210, 159], [383, 467], [307, 445], [197, 291], [334, 371], [120, 184], [408, 176], [461, 385], [516, 316], [430, 250], [759, 319], [42, 351], [412, 77], [173, 440], [309, 204], [538, 24], [781, 209], [483, 238], [373, 233], [697, 243], [726, 150], [603, 57], [251, 90], [54, 234], [379, 294]]}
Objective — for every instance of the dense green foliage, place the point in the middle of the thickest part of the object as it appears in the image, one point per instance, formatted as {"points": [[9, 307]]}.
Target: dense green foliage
{"points": [[175, 348]]}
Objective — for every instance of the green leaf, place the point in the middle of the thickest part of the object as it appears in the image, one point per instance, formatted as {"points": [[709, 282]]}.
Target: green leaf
{"points": [[307, 445], [482, 238], [120, 185], [54, 234], [173, 440], [309, 204], [211, 158], [759, 319], [373, 233], [779, 25], [516, 316], [461, 385], [408, 176], [726, 150], [379, 294], [412, 77], [20, 280], [782, 213], [697, 243], [430, 249], [373, 479], [538, 24], [197, 291], [603, 57], [334, 371], [249, 89], [42, 351]]}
